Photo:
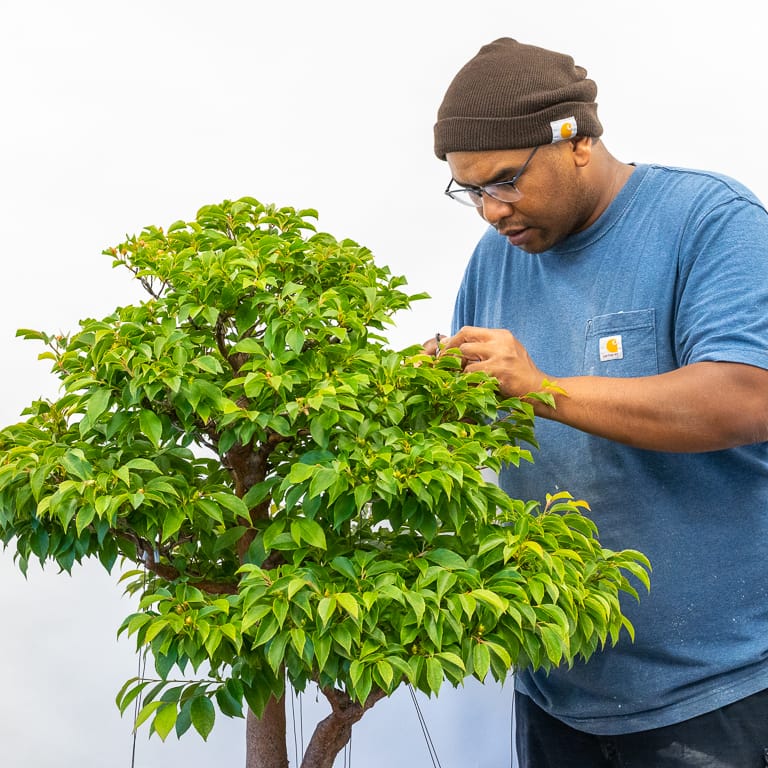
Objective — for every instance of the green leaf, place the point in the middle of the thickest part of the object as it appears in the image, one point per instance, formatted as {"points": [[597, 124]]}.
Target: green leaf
{"points": [[184, 718], [165, 719], [146, 712], [344, 566], [434, 674], [491, 599], [323, 479], [449, 659], [500, 653], [203, 715], [298, 640], [254, 615], [128, 693], [272, 533], [28, 333], [445, 558], [481, 660], [295, 339], [319, 432], [266, 631], [151, 426], [231, 502], [417, 603], [386, 673], [173, 519], [76, 464], [326, 608], [308, 531], [356, 670], [348, 603], [276, 651], [97, 404], [342, 636], [209, 364], [84, 518], [554, 643], [211, 509], [229, 538], [323, 645], [301, 472], [228, 704], [141, 464]]}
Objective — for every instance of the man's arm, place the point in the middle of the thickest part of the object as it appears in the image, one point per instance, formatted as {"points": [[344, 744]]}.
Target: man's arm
{"points": [[701, 407]]}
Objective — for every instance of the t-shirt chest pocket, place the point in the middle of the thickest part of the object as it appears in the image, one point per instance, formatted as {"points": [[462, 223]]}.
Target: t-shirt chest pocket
{"points": [[621, 344]]}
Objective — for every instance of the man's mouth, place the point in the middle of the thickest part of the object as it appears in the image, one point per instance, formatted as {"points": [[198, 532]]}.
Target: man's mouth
{"points": [[515, 235]]}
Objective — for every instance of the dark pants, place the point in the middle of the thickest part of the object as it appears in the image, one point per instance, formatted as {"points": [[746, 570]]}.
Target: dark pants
{"points": [[735, 736]]}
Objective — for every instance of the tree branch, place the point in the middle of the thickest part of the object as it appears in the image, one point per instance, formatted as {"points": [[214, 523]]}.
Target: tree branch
{"points": [[332, 733], [147, 557]]}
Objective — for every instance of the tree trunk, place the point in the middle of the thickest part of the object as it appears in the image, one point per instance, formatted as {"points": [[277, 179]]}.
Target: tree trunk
{"points": [[265, 744]]}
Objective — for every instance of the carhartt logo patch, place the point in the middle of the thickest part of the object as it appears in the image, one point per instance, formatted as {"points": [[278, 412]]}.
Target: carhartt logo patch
{"points": [[611, 348], [563, 129]]}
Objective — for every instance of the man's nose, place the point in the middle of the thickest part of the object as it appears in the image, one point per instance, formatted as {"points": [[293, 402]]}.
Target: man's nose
{"points": [[494, 210]]}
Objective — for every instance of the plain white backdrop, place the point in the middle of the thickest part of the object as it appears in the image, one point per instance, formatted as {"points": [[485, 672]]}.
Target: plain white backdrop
{"points": [[115, 115]]}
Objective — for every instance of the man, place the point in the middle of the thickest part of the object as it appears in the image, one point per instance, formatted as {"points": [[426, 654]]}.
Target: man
{"points": [[642, 291]]}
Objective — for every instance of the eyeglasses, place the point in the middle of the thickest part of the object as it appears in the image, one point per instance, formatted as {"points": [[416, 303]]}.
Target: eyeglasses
{"points": [[504, 191]]}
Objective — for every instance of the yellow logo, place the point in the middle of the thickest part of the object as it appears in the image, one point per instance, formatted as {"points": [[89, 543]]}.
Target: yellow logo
{"points": [[611, 348], [563, 129]]}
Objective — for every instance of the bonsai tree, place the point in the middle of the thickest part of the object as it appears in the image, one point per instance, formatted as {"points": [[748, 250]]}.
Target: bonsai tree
{"points": [[298, 501]]}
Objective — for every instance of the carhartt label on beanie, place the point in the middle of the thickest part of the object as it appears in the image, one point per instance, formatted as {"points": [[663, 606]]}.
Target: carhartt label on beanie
{"points": [[515, 96]]}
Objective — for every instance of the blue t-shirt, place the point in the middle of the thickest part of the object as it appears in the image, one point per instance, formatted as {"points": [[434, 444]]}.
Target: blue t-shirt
{"points": [[674, 272]]}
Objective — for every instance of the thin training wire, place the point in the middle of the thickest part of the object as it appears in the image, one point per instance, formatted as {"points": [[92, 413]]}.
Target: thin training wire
{"points": [[301, 718], [430, 744], [295, 739], [140, 672], [137, 705]]}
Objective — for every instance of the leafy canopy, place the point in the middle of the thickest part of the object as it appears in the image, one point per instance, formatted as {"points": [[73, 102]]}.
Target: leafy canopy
{"points": [[303, 501]]}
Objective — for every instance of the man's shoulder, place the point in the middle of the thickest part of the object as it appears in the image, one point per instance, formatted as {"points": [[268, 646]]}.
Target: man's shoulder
{"points": [[694, 183]]}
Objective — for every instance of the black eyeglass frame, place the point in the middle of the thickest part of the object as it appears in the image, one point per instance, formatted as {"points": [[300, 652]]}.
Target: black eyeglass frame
{"points": [[465, 192]]}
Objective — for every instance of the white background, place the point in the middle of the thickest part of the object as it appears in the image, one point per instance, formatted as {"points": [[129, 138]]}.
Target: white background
{"points": [[116, 115]]}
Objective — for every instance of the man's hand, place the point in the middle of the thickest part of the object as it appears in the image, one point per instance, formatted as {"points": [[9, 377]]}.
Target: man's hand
{"points": [[499, 354], [434, 345]]}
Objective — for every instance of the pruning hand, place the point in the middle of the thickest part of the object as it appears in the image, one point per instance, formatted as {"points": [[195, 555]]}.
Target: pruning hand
{"points": [[499, 354]]}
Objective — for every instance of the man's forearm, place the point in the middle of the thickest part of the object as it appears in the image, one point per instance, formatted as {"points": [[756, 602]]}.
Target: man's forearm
{"points": [[701, 407]]}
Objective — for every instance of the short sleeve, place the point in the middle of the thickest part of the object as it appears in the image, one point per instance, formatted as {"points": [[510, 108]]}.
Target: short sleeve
{"points": [[722, 308]]}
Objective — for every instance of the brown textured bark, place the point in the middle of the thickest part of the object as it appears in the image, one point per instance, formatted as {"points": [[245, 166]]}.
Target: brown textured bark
{"points": [[265, 744]]}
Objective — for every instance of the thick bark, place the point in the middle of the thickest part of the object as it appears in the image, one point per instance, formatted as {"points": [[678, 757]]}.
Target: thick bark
{"points": [[265, 744]]}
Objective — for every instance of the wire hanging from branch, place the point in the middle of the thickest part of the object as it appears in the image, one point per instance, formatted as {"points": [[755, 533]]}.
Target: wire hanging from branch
{"points": [[348, 753], [296, 752], [425, 730], [140, 673]]}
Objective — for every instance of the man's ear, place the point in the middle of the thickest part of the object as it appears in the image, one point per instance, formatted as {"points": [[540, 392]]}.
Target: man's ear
{"points": [[582, 150]]}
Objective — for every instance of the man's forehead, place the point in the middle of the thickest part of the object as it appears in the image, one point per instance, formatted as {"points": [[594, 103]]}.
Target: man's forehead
{"points": [[485, 166]]}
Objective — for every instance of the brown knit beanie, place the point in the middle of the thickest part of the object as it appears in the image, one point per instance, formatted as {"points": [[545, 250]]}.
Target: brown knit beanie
{"points": [[515, 96]]}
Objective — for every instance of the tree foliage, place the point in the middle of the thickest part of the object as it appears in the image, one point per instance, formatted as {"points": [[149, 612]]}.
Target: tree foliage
{"points": [[300, 501]]}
